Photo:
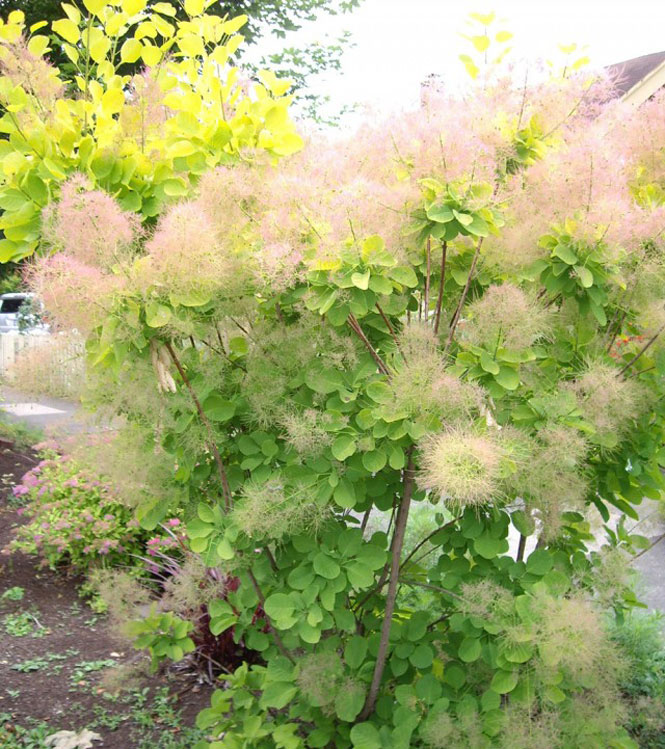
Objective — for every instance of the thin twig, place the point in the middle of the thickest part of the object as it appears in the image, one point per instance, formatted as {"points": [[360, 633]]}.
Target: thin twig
{"points": [[644, 348], [226, 490], [460, 304], [275, 634], [398, 542], [433, 587], [427, 275], [271, 559], [391, 329], [439, 301], [651, 545], [421, 543], [355, 327]]}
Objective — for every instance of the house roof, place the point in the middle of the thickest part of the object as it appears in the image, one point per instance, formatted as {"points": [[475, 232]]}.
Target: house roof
{"points": [[631, 73]]}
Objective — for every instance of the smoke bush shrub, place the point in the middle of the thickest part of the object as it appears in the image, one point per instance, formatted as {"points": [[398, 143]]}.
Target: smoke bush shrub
{"points": [[425, 313]]}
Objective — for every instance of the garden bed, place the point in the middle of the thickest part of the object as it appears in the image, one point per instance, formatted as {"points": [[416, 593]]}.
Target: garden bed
{"points": [[55, 649]]}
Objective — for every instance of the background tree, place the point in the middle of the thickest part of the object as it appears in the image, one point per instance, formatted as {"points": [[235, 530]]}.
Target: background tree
{"points": [[271, 18]]}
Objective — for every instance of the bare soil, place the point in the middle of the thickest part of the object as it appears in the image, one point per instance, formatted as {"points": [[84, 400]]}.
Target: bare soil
{"points": [[70, 641]]}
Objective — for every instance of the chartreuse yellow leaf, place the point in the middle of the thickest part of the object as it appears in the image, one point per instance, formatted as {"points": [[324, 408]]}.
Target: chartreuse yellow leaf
{"points": [[71, 53], [94, 6], [234, 43], [147, 28], [191, 45], [66, 29], [233, 24], [287, 144], [151, 55], [481, 42], [113, 101], [166, 9], [38, 45], [115, 22], [193, 7], [133, 6], [99, 46], [131, 50], [485, 18], [73, 13], [276, 86], [37, 26]]}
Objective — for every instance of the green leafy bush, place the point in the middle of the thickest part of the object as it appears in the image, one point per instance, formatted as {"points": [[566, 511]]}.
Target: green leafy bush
{"points": [[75, 519], [164, 635], [425, 314], [641, 638]]}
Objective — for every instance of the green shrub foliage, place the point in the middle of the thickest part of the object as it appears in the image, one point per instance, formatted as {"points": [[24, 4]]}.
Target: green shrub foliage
{"points": [[75, 520], [459, 308]]}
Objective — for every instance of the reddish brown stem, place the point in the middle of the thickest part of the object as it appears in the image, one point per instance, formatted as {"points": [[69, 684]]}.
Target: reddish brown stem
{"points": [[427, 276], [226, 490], [398, 542], [391, 329], [462, 299], [355, 327], [439, 301]]}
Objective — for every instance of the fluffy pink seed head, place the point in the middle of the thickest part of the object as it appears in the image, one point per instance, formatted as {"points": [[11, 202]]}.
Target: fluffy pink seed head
{"points": [[89, 225], [461, 467], [34, 74], [183, 253], [75, 295]]}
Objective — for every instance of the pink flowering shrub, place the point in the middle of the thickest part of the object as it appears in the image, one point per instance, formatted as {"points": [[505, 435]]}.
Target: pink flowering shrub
{"points": [[78, 521]]}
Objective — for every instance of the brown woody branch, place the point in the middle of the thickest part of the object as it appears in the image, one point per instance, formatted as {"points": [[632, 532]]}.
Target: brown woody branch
{"points": [[398, 542], [462, 299], [439, 301], [226, 490]]}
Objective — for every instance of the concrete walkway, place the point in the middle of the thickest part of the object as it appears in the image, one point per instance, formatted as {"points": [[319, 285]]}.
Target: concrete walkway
{"points": [[49, 414]]}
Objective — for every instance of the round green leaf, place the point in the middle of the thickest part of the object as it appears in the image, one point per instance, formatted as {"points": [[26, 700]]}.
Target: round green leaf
{"points": [[157, 315], [504, 681], [355, 651], [349, 703], [365, 736], [379, 392], [217, 408], [422, 657], [343, 447], [279, 606], [585, 276], [374, 461], [508, 378], [488, 547], [469, 650], [539, 562], [325, 566]]}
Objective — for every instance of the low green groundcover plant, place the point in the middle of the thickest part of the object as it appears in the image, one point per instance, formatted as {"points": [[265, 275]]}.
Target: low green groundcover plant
{"points": [[459, 308]]}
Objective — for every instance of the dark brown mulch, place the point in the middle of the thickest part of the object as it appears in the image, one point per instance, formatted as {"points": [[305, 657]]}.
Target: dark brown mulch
{"points": [[66, 627]]}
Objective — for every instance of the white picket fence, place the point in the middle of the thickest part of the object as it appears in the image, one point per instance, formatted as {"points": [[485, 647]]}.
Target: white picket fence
{"points": [[12, 343], [47, 364]]}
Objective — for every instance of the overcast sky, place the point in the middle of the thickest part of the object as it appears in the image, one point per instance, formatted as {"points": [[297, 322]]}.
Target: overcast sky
{"points": [[400, 42]]}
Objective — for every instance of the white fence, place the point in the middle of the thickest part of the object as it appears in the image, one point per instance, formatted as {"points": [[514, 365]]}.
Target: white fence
{"points": [[42, 364]]}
